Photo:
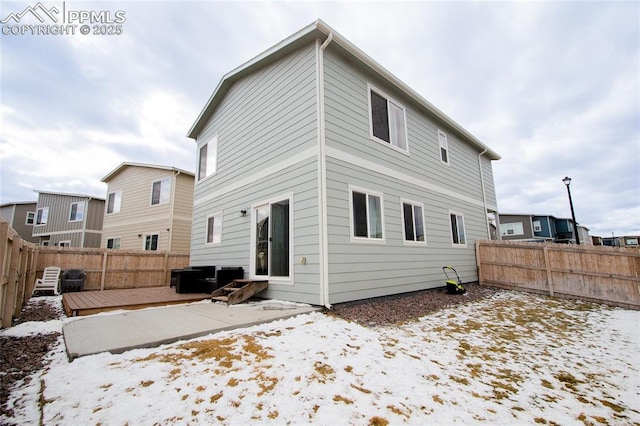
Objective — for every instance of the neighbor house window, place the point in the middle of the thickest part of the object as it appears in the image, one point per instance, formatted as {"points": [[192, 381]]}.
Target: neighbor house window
{"points": [[151, 242], [214, 228], [444, 147], [31, 217], [537, 226], [41, 216], [515, 228], [45, 243], [413, 222], [77, 212], [160, 191], [388, 120], [207, 158], [65, 244], [113, 243], [366, 212], [458, 237], [114, 201]]}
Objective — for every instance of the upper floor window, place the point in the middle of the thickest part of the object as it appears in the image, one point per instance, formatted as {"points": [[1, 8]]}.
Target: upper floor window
{"points": [[444, 147], [514, 228], [214, 228], [31, 217], [388, 120], [207, 158], [413, 222], [366, 212], [77, 212], [151, 242], [537, 226], [114, 201], [42, 215], [458, 237], [160, 191]]}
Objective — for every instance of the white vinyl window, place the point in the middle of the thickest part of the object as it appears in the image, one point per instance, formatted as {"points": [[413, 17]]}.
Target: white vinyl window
{"points": [[151, 242], [537, 226], [514, 228], [65, 243], [161, 191], [458, 234], [114, 201], [366, 215], [77, 212], [444, 147], [42, 215], [31, 218], [413, 222], [113, 243], [208, 158], [214, 228], [388, 121]]}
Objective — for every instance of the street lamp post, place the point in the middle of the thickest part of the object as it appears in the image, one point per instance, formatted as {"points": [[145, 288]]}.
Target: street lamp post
{"points": [[567, 182]]}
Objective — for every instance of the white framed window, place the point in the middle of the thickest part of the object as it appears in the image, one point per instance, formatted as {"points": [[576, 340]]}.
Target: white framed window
{"points": [[66, 243], [514, 228], [31, 218], [114, 202], [458, 233], [76, 213], [214, 229], [444, 147], [367, 218], [387, 119], [42, 214], [151, 241], [537, 226], [413, 222], [208, 158], [113, 243], [45, 243], [161, 191]]}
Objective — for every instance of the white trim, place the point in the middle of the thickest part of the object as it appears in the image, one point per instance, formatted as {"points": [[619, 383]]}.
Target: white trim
{"points": [[106, 242], [446, 148], [366, 240], [84, 203], [261, 173], [160, 202], [64, 242], [211, 155], [144, 240], [115, 203], [42, 215], [424, 223], [389, 99], [395, 174], [26, 219], [69, 231], [252, 246], [464, 229], [206, 229]]}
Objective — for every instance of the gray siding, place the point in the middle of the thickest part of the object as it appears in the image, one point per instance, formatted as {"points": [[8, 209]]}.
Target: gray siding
{"points": [[527, 227], [267, 139], [361, 270], [16, 215]]}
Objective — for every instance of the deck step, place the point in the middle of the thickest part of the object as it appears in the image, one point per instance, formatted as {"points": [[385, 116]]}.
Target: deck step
{"points": [[238, 291]]}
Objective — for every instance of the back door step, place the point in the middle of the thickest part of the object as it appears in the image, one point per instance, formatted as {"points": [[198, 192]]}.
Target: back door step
{"points": [[238, 291]]}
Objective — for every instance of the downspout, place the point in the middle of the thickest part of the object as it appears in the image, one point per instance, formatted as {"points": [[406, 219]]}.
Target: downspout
{"points": [[174, 186], [484, 195], [323, 235]]}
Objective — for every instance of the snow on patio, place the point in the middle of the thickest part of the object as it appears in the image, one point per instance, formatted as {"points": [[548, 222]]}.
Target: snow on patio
{"points": [[512, 359]]}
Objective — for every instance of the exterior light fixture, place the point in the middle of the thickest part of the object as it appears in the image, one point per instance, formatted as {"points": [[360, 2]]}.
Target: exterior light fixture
{"points": [[567, 182]]}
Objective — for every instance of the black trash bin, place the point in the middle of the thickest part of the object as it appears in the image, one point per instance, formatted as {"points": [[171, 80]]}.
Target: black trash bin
{"points": [[186, 280], [73, 280]]}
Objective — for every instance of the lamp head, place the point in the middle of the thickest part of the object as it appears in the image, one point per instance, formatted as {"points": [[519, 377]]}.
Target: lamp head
{"points": [[567, 181]]}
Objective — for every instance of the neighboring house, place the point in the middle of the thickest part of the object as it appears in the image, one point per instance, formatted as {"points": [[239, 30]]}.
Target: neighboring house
{"points": [[21, 216], [149, 207], [624, 241], [321, 172], [540, 228], [68, 220]]}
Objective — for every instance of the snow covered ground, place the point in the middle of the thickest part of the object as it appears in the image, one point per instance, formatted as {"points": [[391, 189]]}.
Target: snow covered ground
{"points": [[512, 359]]}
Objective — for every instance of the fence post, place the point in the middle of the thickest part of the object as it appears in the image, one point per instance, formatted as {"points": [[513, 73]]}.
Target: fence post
{"points": [[547, 266], [104, 270], [478, 263], [12, 283]]}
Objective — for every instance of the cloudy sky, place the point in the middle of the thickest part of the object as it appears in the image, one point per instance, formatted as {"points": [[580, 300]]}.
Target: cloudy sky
{"points": [[554, 87]]}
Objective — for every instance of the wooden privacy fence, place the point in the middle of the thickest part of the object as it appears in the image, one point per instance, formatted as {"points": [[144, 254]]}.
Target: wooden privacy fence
{"points": [[603, 274], [17, 273], [114, 269]]}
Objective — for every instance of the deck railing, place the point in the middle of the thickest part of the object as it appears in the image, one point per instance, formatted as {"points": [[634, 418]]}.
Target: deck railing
{"points": [[603, 274]]}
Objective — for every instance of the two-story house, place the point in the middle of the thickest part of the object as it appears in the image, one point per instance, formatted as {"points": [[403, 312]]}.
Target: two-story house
{"points": [[323, 173], [540, 228], [148, 207], [21, 217], [68, 220]]}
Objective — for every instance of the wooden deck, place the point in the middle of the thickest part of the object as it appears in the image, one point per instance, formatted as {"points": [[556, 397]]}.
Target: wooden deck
{"points": [[93, 302]]}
